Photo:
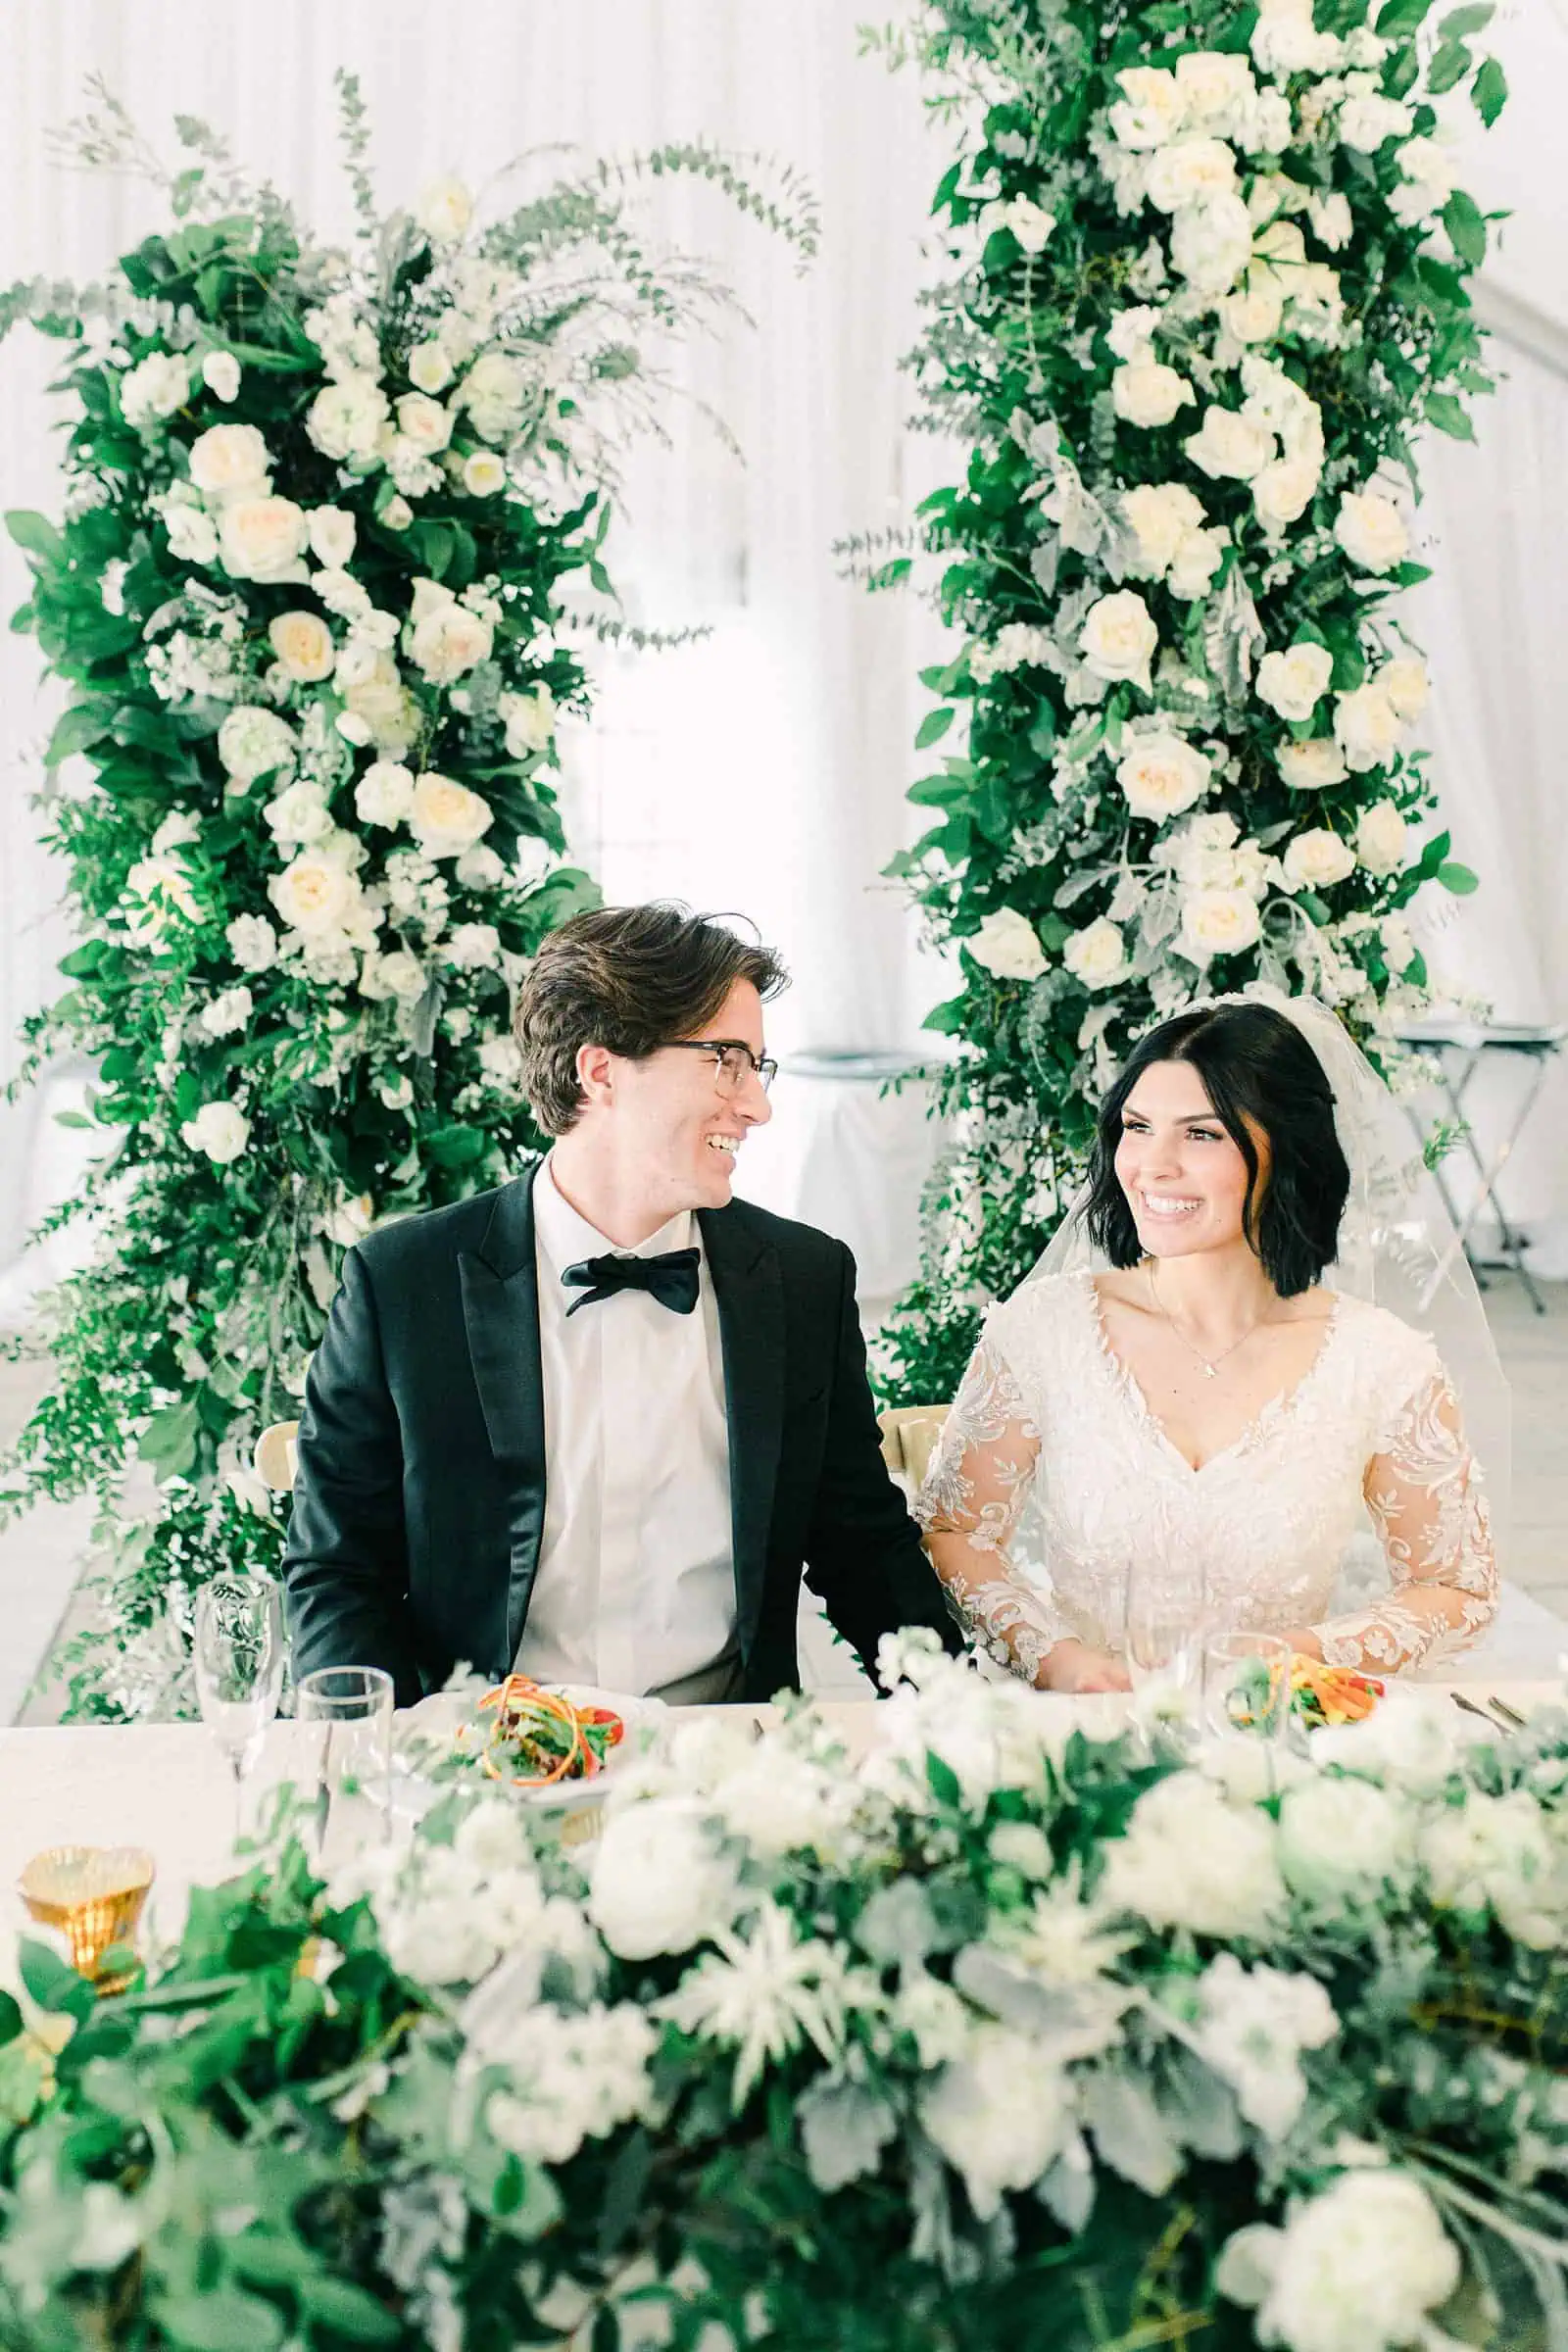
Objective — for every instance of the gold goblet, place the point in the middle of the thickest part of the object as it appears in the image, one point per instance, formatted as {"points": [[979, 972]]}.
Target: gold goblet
{"points": [[93, 1896]]}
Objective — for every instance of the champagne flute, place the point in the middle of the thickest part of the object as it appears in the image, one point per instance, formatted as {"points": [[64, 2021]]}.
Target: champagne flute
{"points": [[238, 1655]]}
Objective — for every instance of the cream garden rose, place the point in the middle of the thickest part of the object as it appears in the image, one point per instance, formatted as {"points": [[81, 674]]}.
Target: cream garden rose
{"points": [[429, 368], [1119, 638], [1406, 684], [384, 794], [1211, 243], [388, 713], [333, 533], [445, 818], [316, 895], [1195, 561], [1293, 682], [263, 539], [221, 374], [1097, 955], [1161, 516], [1316, 859], [1217, 88], [1283, 490], [1367, 727], [483, 473], [445, 210], [494, 394], [1230, 445], [1217, 922], [1313, 766], [1006, 945], [1145, 391], [345, 420], [1160, 775], [1189, 171], [231, 460], [423, 423], [154, 389], [1381, 839], [1150, 110], [221, 1130], [529, 720], [303, 644], [1371, 530], [449, 640]]}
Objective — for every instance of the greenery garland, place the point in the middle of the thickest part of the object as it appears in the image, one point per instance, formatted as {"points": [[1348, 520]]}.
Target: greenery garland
{"points": [[332, 546], [1211, 282], [1004, 2035]]}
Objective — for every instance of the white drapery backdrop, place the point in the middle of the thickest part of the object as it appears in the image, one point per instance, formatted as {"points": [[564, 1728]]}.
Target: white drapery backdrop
{"points": [[764, 769]]}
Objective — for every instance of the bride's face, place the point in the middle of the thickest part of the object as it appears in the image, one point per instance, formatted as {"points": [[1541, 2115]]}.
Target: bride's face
{"points": [[1183, 1175]]}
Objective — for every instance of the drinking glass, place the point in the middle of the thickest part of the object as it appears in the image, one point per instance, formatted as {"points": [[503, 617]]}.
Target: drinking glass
{"points": [[1246, 1687], [349, 1710], [1163, 1631], [238, 1653]]}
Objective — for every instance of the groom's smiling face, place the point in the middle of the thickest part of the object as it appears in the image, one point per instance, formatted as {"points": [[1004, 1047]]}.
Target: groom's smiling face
{"points": [[1181, 1169], [682, 1119]]}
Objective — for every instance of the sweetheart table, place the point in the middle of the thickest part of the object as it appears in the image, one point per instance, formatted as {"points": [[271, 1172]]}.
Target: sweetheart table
{"points": [[164, 1787]]}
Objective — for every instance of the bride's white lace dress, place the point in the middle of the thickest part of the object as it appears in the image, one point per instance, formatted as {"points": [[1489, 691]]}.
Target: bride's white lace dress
{"points": [[1061, 1480]]}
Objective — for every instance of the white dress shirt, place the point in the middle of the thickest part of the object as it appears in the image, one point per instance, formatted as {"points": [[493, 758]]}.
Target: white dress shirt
{"points": [[636, 1584]]}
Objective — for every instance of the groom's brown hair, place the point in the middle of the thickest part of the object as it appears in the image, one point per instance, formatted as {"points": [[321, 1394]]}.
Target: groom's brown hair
{"points": [[630, 978]]}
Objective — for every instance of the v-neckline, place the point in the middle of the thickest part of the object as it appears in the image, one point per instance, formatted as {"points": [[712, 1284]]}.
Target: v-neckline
{"points": [[1274, 1408]]}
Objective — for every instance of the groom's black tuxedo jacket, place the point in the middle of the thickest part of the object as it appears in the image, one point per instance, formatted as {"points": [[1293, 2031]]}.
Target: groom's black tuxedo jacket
{"points": [[420, 1501]]}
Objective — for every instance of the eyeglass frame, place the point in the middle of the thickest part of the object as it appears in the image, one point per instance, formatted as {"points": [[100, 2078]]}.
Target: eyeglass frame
{"points": [[763, 1068]]}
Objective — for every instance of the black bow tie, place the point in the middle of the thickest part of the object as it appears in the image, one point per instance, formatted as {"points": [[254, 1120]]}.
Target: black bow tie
{"points": [[670, 1278]]}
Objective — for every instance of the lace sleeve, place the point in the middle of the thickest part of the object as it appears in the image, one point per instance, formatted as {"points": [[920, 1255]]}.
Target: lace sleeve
{"points": [[1426, 1494], [968, 1506]]}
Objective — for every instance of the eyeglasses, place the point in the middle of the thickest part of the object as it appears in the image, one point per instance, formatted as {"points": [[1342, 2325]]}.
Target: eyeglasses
{"points": [[733, 1063]]}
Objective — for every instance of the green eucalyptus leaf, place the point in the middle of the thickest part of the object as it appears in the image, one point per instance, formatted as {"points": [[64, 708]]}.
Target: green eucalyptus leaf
{"points": [[219, 2319], [1488, 92], [1467, 230], [1450, 416], [934, 726], [1449, 68], [1458, 879]]}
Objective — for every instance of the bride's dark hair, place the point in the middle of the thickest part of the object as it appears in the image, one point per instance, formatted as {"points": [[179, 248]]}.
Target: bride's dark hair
{"points": [[1255, 1064]]}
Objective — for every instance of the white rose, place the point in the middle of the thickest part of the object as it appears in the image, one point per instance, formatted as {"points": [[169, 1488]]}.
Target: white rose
{"points": [[1358, 2266], [1218, 922], [1001, 2113], [1161, 516], [1190, 1859], [1214, 85], [228, 1011], [447, 642], [483, 473], [1145, 391], [231, 460], [219, 1129], [1333, 222], [494, 393], [423, 423], [1367, 727], [303, 643], [473, 946], [1284, 40], [529, 719], [253, 741], [263, 539], [1283, 490], [1006, 946], [345, 420], [397, 514], [1367, 118], [1160, 775], [252, 942], [657, 1883], [1187, 171], [299, 814], [429, 368], [1293, 682], [1132, 330], [1316, 859], [1379, 839], [192, 533], [1311, 766], [221, 374], [1150, 110], [384, 794], [399, 976], [1343, 1841], [315, 895], [341, 593], [390, 714], [1211, 243], [1406, 684], [1119, 638], [1097, 955], [154, 388], [1197, 558], [444, 210], [1371, 530], [501, 1062], [479, 868], [1230, 445], [1028, 223], [445, 818], [332, 532], [1255, 313]]}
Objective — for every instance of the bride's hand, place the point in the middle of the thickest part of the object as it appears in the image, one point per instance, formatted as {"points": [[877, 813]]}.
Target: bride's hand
{"points": [[1073, 1666]]}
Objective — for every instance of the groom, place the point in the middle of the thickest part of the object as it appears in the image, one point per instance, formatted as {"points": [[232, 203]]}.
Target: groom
{"points": [[593, 1425]]}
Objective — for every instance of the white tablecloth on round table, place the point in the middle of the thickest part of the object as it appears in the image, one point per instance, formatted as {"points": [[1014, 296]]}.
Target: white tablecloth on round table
{"points": [[164, 1787]]}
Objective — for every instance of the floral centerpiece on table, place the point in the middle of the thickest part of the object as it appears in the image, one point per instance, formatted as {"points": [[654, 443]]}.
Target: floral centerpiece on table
{"points": [[1212, 285], [331, 554], [1005, 2034]]}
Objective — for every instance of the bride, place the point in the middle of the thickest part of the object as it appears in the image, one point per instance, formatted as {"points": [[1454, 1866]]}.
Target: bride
{"points": [[1175, 1393]]}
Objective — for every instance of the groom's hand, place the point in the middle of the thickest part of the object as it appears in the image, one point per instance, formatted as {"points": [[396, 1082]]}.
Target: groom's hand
{"points": [[1073, 1666]]}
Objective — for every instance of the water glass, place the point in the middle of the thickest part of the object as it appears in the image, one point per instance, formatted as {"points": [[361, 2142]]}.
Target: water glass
{"points": [[1163, 1631], [348, 1712], [238, 1651], [1246, 1687]]}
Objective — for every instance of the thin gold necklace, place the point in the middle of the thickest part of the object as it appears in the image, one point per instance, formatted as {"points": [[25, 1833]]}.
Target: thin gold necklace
{"points": [[1210, 1363]]}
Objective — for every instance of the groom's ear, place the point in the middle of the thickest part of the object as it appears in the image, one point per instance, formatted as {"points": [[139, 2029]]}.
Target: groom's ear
{"points": [[595, 1068]]}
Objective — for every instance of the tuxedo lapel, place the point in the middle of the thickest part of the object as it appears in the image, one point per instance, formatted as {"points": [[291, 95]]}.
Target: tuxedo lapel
{"points": [[501, 1315], [749, 1294]]}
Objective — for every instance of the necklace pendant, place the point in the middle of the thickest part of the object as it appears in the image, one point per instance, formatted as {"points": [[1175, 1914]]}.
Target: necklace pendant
{"points": [[1209, 1372]]}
